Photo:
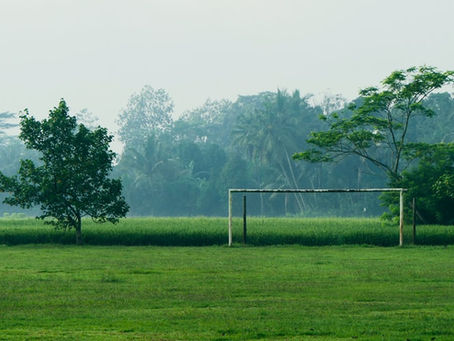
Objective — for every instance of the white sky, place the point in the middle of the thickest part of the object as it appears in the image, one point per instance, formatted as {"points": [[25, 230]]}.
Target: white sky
{"points": [[96, 53]]}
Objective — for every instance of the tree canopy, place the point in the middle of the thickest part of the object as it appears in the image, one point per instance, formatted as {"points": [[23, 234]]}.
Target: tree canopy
{"points": [[376, 126], [71, 179], [431, 183], [147, 113], [184, 167]]}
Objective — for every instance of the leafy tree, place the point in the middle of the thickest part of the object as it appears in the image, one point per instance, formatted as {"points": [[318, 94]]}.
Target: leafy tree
{"points": [[444, 186], [429, 130], [7, 140], [208, 123], [172, 177], [87, 118], [6, 123], [270, 135], [186, 168], [376, 128], [148, 112], [157, 181], [431, 183], [71, 180]]}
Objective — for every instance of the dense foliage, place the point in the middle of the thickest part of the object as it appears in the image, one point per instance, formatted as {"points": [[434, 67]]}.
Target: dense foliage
{"points": [[70, 180], [377, 129], [431, 183], [184, 166]]}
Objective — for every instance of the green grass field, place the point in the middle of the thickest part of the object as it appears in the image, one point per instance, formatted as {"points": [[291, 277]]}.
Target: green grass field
{"points": [[61, 292], [202, 231]]}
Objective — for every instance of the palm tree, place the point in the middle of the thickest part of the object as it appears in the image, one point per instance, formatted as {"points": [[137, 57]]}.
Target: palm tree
{"points": [[270, 134]]}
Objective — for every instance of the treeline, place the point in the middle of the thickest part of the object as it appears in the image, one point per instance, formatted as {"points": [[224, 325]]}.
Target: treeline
{"points": [[184, 166]]}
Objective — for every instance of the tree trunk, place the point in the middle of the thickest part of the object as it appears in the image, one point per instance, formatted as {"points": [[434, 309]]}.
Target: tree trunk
{"points": [[79, 231]]}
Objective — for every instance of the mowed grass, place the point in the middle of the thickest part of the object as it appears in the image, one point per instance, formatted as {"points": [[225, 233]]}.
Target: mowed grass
{"points": [[203, 231], [62, 292]]}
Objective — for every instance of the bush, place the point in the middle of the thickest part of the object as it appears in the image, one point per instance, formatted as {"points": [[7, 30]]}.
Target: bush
{"points": [[431, 183]]}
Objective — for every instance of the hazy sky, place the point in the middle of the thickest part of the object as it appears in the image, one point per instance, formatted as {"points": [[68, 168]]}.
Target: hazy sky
{"points": [[96, 53]]}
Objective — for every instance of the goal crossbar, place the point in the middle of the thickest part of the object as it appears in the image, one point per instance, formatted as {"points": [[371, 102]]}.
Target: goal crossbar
{"points": [[320, 190]]}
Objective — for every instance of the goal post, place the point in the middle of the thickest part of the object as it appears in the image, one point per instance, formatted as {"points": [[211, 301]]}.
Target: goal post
{"points": [[321, 190]]}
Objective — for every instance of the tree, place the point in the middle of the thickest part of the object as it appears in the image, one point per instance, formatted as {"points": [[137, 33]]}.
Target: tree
{"points": [[148, 112], [87, 118], [376, 127], [71, 180], [5, 124], [208, 123], [436, 130], [431, 183], [270, 134]]}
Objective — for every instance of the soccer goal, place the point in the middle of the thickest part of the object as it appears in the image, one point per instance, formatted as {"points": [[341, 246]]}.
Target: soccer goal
{"points": [[345, 190]]}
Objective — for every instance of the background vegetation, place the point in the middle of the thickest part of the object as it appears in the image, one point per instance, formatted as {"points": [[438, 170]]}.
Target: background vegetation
{"points": [[182, 165]]}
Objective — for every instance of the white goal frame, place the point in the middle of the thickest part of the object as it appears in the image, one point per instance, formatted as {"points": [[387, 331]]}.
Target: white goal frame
{"points": [[322, 190]]}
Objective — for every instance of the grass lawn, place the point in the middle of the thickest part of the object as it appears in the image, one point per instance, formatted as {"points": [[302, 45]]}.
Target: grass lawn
{"points": [[220, 293]]}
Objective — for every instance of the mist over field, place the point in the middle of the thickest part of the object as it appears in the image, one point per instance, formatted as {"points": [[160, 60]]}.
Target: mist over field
{"points": [[185, 166], [203, 96], [124, 125]]}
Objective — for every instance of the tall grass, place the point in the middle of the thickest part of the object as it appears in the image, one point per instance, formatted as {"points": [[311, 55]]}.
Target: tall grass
{"points": [[200, 231]]}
